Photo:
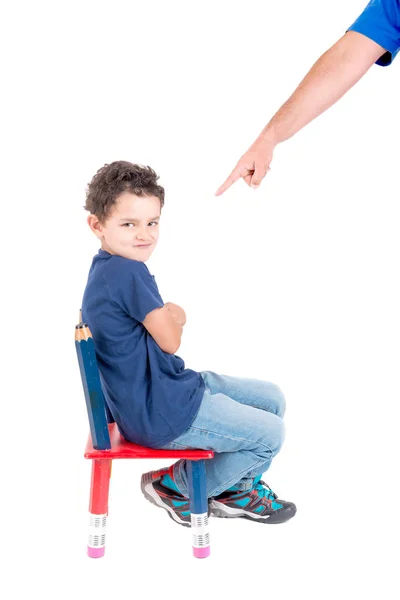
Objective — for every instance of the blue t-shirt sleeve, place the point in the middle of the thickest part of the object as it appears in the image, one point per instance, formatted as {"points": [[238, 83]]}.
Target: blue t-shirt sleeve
{"points": [[133, 288], [380, 21]]}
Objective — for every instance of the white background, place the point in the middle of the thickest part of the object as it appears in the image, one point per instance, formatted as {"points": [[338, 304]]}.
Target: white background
{"points": [[296, 283]]}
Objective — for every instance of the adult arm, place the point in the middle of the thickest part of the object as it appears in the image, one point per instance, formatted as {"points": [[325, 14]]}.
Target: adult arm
{"points": [[334, 73]]}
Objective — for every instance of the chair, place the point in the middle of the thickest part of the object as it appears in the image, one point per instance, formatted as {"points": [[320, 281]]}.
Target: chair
{"points": [[105, 444]]}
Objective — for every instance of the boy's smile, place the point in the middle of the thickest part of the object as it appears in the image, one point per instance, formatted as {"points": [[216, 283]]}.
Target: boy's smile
{"points": [[132, 229]]}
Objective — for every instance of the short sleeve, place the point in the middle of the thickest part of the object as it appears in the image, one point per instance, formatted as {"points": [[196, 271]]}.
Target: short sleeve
{"points": [[132, 287], [380, 21]]}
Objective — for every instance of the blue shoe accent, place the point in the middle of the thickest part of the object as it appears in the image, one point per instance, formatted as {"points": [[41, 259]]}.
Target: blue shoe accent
{"points": [[168, 482], [256, 480], [178, 503], [265, 491], [242, 501]]}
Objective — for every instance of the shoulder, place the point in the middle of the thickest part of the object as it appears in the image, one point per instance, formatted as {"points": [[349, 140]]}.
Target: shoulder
{"points": [[392, 10], [118, 265], [380, 22], [121, 272], [378, 10]]}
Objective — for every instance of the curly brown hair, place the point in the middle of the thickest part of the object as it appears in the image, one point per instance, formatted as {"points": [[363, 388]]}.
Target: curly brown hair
{"points": [[114, 179]]}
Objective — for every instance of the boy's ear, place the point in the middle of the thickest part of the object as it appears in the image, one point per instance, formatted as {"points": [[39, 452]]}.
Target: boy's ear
{"points": [[95, 226]]}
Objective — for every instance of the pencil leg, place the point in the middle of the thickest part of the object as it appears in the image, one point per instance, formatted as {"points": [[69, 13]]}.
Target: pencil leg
{"points": [[198, 508], [98, 506]]}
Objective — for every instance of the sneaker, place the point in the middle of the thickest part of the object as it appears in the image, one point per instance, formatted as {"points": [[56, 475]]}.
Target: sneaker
{"points": [[159, 488], [258, 504]]}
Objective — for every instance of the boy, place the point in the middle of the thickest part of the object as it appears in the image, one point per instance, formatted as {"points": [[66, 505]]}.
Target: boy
{"points": [[152, 397]]}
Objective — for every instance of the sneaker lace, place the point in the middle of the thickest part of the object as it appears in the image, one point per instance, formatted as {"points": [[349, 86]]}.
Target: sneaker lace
{"points": [[264, 491]]}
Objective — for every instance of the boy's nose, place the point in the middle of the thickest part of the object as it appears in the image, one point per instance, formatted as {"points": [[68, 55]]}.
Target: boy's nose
{"points": [[142, 235]]}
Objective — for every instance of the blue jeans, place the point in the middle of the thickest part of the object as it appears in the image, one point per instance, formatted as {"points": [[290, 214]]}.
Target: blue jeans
{"points": [[242, 421]]}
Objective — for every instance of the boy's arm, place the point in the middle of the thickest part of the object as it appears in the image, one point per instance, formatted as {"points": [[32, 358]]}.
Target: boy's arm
{"points": [[165, 328], [177, 312]]}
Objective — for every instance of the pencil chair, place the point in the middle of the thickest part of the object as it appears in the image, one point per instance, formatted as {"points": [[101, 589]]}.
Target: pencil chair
{"points": [[105, 444]]}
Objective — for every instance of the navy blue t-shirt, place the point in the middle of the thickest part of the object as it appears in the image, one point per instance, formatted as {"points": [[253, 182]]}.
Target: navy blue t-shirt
{"points": [[380, 21], [150, 394]]}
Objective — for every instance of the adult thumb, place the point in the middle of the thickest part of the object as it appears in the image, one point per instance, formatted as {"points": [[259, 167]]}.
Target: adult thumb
{"points": [[258, 176]]}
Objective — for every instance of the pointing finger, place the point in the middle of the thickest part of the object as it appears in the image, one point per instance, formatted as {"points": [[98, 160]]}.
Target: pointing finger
{"points": [[236, 174]]}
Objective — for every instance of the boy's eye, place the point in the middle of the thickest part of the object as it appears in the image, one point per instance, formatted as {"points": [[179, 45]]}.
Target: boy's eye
{"points": [[153, 223], [128, 224]]}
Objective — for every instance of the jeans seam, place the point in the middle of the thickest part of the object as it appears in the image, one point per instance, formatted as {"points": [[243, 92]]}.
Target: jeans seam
{"points": [[227, 437]]}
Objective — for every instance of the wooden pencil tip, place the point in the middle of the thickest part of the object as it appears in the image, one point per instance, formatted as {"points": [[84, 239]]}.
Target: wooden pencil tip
{"points": [[80, 316]]}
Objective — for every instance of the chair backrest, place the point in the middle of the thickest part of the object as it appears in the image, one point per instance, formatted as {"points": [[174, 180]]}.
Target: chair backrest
{"points": [[95, 402]]}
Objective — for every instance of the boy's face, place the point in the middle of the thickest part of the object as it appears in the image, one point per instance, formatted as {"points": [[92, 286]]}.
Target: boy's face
{"points": [[132, 228]]}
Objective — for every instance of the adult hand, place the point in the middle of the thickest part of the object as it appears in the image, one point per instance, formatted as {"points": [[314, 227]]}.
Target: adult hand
{"points": [[253, 166]]}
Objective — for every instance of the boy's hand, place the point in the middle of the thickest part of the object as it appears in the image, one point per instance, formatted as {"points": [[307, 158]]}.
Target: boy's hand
{"points": [[177, 312]]}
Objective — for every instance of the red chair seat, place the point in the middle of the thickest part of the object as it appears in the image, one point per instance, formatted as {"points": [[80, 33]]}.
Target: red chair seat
{"points": [[120, 448]]}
